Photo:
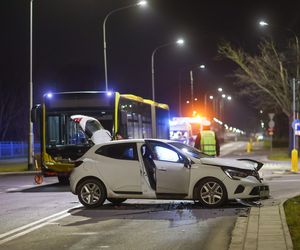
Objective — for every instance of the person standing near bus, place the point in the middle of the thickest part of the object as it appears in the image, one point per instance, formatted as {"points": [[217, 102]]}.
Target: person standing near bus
{"points": [[207, 142], [118, 136]]}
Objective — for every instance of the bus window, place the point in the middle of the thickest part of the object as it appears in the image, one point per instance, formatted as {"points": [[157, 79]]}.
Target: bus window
{"points": [[122, 129], [54, 137], [75, 134], [162, 123], [63, 131]]}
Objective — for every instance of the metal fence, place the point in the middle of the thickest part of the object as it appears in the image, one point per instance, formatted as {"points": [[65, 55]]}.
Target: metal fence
{"points": [[15, 149]]}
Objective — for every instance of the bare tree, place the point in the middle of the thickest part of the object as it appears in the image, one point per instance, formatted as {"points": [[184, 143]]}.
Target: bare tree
{"points": [[10, 109], [265, 77]]}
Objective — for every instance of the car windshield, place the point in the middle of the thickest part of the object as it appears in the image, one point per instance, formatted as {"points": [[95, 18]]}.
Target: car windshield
{"points": [[189, 150]]}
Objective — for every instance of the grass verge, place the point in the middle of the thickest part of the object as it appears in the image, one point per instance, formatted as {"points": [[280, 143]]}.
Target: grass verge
{"points": [[292, 208], [279, 154], [13, 167]]}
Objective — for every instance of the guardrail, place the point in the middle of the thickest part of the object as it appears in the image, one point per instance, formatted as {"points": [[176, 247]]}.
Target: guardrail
{"points": [[15, 149]]}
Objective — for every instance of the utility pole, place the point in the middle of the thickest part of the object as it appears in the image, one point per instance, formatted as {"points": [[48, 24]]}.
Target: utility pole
{"points": [[192, 90], [294, 154], [31, 136]]}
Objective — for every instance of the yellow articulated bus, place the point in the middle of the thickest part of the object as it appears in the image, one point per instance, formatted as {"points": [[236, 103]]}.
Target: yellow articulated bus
{"points": [[125, 114]]}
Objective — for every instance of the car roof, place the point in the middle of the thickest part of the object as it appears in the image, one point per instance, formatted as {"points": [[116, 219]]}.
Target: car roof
{"points": [[132, 141]]}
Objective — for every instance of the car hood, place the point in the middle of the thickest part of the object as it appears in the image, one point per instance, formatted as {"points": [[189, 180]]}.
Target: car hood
{"points": [[232, 163]]}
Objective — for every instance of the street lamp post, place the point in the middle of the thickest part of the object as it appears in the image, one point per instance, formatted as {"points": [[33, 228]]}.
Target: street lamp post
{"points": [[140, 3], [211, 97], [192, 89], [179, 42], [31, 135], [218, 103], [264, 24], [202, 67], [294, 153]]}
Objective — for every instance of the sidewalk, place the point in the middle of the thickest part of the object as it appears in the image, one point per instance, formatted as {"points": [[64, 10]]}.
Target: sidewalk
{"points": [[264, 229]]}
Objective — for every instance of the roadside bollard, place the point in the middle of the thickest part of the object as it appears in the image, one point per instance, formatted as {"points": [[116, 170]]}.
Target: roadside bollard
{"points": [[294, 160], [251, 144], [248, 148]]}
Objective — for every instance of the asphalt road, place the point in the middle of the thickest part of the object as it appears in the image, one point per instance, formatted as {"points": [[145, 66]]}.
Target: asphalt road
{"points": [[48, 216]]}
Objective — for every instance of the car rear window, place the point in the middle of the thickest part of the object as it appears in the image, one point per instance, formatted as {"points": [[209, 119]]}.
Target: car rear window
{"points": [[122, 151]]}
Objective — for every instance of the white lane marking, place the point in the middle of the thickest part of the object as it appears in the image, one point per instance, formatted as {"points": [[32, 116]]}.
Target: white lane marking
{"points": [[21, 188], [283, 181], [11, 189], [35, 225], [85, 233], [30, 229]]}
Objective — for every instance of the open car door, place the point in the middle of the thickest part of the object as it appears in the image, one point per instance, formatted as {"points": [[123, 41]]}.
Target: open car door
{"points": [[171, 169]]}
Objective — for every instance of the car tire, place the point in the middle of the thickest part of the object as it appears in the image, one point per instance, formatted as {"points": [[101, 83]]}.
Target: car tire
{"points": [[211, 192], [91, 193], [63, 180], [116, 201]]}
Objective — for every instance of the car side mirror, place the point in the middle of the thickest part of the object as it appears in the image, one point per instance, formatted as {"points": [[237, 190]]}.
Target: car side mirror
{"points": [[35, 112], [90, 142], [187, 163]]}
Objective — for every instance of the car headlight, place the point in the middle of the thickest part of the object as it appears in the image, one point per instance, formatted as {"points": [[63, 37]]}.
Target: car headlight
{"points": [[235, 174]]}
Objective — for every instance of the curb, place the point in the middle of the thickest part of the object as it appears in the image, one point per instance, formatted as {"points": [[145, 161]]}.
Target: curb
{"points": [[20, 173], [287, 235], [240, 231]]}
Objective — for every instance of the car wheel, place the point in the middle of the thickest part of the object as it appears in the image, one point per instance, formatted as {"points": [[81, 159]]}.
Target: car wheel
{"points": [[211, 192], [91, 193], [116, 201], [63, 180]]}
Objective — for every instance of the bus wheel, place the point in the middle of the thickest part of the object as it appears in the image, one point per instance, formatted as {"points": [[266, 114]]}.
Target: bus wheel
{"points": [[38, 179], [64, 180]]}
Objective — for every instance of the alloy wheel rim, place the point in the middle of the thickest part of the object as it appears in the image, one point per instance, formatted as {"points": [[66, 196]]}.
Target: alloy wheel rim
{"points": [[211, 193], [90, 193]]}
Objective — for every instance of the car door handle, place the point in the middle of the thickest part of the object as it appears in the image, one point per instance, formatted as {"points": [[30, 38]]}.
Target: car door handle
{"points": [[162, 169]]}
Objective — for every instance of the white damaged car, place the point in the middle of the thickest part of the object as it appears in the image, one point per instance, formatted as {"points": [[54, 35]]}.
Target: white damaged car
{"points": [[161, 169]]}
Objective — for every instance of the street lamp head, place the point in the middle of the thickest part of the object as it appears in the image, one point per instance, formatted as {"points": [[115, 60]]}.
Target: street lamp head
{"points": [[263, 23], [180, 42], [220, 89], [202, 66], [223, 96], [211, 97], [229, 98], [142, 3]]}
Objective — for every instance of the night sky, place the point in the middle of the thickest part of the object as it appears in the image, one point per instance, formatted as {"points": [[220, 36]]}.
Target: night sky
{"points": [[68, 47]]}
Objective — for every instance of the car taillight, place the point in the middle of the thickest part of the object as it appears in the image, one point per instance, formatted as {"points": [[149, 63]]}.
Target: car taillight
{"points": [[77, 120], [77, 163]]}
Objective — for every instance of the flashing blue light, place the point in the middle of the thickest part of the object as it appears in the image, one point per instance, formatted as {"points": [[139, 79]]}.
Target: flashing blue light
{"points": [[49, 95], [109, 93]]}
